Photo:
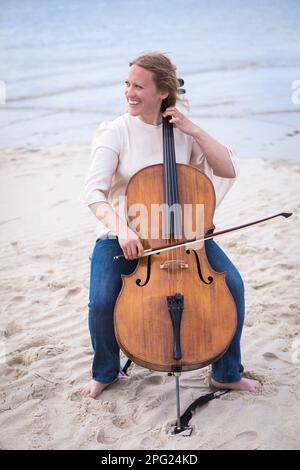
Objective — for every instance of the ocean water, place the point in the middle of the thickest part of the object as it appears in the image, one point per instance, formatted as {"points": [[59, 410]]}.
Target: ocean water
{"points": [[63, 66]]}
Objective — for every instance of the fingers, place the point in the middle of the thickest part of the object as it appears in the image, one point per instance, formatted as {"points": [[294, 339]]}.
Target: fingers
{"points": [[174, 119], [127, 250], [140, 248], [174, 113], [170, 110], [132, 249]]}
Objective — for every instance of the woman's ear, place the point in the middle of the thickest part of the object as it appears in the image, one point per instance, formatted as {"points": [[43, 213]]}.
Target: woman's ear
{"points": [[164, 95]]}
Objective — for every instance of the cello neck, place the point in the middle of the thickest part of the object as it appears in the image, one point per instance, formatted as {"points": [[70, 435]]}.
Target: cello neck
{"points": [[172, 209]]}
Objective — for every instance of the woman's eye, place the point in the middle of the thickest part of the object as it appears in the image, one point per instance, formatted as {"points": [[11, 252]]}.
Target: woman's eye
{"points": [[127, 84]]}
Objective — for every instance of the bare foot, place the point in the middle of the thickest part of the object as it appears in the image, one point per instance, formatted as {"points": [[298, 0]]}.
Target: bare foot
{"points": [[94, 388], [244, 384]]}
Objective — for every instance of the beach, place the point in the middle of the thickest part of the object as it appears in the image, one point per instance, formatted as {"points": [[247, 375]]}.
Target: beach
{"points": [[62, 72], [46, 352]]}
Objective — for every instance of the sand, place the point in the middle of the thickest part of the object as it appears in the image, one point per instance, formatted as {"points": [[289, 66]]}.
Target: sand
{"points": [[45, 353]]}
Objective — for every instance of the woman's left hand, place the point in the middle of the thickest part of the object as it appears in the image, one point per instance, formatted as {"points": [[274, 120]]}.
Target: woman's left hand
{"points": [[180, 121]]}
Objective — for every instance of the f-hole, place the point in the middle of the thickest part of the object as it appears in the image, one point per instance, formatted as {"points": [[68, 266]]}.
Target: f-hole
{"points": [[139, 281], [210, 278]]}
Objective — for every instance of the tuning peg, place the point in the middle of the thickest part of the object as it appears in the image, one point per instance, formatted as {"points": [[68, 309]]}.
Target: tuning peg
{"points": [[181, 91], [180, 81]]}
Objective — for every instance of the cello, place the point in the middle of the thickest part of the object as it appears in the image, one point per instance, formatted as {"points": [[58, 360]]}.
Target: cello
{"points": [[174, 313]]}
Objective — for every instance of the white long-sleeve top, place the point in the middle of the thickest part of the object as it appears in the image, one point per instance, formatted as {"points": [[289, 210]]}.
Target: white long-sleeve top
{"points": [[124, 146]]}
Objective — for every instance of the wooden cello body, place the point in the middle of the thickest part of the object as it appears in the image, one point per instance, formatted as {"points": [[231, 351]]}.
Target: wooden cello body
{"points": [[174, 312]]}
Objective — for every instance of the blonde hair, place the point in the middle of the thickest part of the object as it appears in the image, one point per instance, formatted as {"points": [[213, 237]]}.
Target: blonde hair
{"points": [[164, 76]]}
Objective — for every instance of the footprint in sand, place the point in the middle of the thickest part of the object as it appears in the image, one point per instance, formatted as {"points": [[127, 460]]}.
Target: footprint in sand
{"points": [[16, 360], [293, 306], [269, 356], [246, 437], [153, 402], [48, 351], [53, 285], [103, 438], [65, 242], [42, 257], [62, 201], [123, 422], [243, 440], [15, 372], [149, 380], [75, 396], [109, 406], [41, 388], [12, 328], [143, 383], [263, 285], [155, 379], [72, 292], [34, 354], [17, 298]]}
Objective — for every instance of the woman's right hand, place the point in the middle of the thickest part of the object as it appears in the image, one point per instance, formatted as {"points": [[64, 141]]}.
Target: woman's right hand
{"points": [[132, 246]]}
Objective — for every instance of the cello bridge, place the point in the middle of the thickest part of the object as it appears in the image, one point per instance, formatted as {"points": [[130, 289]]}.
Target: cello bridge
{"points": [[174, 264]]}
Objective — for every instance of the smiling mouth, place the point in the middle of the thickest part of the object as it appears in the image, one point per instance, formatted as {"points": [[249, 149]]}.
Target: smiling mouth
{"points": [[133, 102]]}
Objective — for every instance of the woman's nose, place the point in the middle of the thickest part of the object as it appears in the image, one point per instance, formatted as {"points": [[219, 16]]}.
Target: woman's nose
{"points": [[130, 92]]}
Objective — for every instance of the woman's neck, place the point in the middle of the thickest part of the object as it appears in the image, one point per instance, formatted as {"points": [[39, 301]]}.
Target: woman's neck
{"points": [[152, 120]]}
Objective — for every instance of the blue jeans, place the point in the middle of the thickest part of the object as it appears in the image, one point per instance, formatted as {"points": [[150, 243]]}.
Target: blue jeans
{"points": [[105, 285]]}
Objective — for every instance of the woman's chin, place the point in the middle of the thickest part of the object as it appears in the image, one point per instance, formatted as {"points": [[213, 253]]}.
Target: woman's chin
{"points": [[133, 112]]}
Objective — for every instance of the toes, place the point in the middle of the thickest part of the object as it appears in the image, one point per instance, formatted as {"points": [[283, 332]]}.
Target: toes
{"points": [[84, 392]]}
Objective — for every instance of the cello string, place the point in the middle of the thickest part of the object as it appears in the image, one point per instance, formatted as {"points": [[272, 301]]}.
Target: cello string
{"points": [[175, 201], [169, 202], [169, 195], [166, 193]]}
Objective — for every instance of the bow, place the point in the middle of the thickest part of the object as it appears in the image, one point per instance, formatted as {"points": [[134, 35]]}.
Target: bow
{"points": [[209, 236]]}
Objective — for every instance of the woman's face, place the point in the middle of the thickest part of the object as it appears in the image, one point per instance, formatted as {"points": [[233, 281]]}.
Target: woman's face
{"points": [[143, 98]]}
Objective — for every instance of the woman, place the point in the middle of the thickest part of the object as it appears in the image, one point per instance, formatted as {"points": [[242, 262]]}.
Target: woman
{"points": [[121, 148]]}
